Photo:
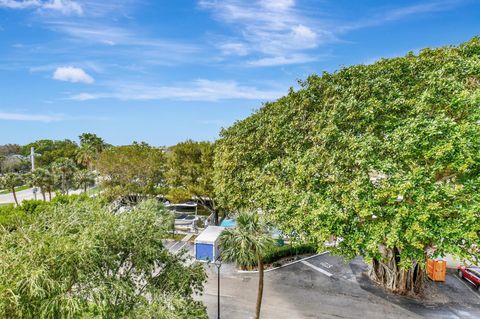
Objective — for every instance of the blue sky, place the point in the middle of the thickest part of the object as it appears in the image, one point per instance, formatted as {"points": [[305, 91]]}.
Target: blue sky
{"points": [[164, 71]]}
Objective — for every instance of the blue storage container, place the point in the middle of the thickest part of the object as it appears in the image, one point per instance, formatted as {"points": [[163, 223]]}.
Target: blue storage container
{"points": [[206, 244]]}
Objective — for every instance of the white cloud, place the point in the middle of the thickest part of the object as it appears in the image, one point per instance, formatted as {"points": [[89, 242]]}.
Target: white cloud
{"points": [[400, 13], [198, 90], [98, 33], [66, 7], [234, 48], [278, 4], [29, 117], [13, 4], [274, 29], [282, 60], [281, 31], [304, 36], [83, 97], [72, 74]]}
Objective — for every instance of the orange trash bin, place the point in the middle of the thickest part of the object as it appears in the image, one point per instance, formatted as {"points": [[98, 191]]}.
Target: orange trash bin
{"points": [[436, 269]]}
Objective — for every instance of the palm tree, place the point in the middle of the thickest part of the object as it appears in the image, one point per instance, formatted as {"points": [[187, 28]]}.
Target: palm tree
{"points": [[83, 178], [65, 168], [35, 179], [48, 180], [246, 244], [43, 179], [90, 148], [86, 154], [10, 181]]}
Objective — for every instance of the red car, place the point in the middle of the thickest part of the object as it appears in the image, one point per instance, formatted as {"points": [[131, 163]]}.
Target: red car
{"points": [[471, 274]]}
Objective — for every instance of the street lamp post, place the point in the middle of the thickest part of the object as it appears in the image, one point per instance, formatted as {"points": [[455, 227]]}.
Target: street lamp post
{"points": [[218, 264], [32, 160]]}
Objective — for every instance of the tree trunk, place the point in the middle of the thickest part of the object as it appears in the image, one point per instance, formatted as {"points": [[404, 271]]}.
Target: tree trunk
{"points": [[14, 195], [64, 184], [260, 288], [85, 188], [49, 194], [43, 194], [211, 210], [388, 273]]}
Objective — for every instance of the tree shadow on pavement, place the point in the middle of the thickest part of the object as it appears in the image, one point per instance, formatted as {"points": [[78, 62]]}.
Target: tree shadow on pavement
{"points": [[439, 300]]}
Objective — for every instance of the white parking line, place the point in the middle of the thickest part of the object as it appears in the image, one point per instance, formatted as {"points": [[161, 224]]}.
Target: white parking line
{"points": [[185, 243], [282, 266], [317, 268], [175, 244]]}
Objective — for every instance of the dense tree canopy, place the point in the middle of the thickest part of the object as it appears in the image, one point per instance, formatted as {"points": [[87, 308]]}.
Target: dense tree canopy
{"points": [[131, 169], [51, 150], [189, 173], [90, 148], [78, 260], [384, 156], [13, 164], [10, 149]]}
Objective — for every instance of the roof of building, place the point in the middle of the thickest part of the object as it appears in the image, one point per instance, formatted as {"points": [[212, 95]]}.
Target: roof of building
{"points": [[187, 204], [209, 235]]}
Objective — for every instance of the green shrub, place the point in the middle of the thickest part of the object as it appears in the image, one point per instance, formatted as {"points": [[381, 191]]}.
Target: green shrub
{"points": [[278, 253], [32, 206], [68, 199], [79, 260], [11, 216]]}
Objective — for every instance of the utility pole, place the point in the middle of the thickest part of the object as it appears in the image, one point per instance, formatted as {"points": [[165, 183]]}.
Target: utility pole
{"points": [[32, 157], [32, 160]]}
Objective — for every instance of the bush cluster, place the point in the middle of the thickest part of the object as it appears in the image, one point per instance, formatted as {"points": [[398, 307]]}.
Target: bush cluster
{"points": [[11, 217], [278, 252]]}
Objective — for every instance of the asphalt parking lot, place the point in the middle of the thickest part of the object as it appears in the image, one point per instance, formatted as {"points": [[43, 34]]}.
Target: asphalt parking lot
{"points": [[327, 287]]}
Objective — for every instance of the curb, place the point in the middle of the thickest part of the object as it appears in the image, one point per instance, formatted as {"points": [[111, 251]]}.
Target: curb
{"points": [[282, 266]]}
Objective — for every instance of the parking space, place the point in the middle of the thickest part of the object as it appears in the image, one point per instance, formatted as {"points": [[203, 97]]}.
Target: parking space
{"points": [[328, 287], [176, 246]]}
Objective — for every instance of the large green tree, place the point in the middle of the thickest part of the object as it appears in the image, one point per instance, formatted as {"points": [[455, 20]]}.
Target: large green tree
{"points": [[14, 164], [10, 161], [384, 157], [51, 150], [131, 170], [189, 174], [10, 149], [79, 260]]}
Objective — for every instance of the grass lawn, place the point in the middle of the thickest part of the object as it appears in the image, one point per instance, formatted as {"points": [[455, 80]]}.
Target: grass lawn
{"points": [[20, 188]]}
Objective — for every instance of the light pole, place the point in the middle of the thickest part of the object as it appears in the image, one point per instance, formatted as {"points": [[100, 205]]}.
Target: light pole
{"points": [[218, 264], [32, 160], [32, 157]]}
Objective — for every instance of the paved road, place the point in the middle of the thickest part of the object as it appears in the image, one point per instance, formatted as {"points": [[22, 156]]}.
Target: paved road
{"points": [[305, 290], [26, 195]]}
